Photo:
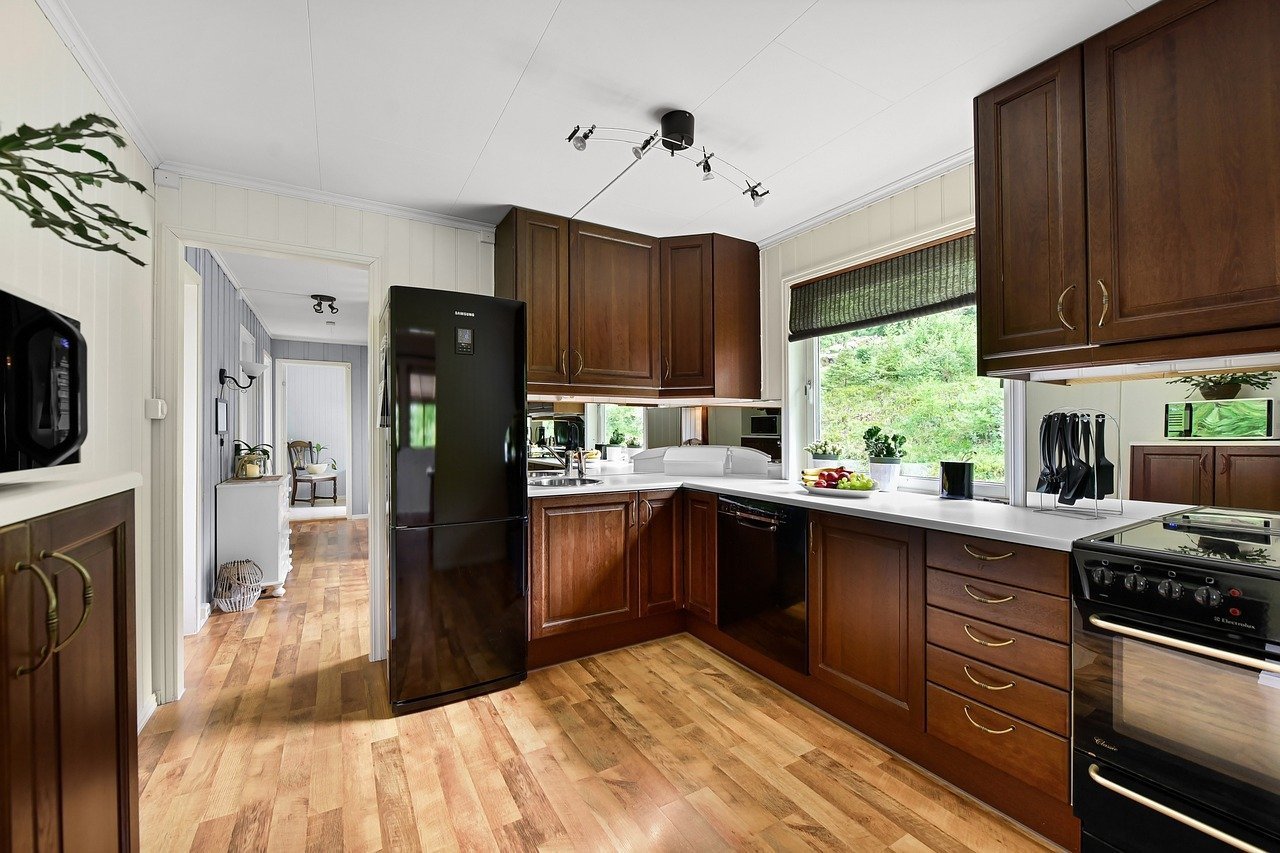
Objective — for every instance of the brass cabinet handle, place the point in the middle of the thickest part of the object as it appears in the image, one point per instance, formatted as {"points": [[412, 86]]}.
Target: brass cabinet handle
{"points": [[582, 362], [986, 600], [564, 362], [986, 558], [87, 595], [50, 618], [648, 516], [1225, 464], [978, 725], [1106, 303], [983, 684], [991, 643], [813, 539], [1062, 317], [666, 370]]}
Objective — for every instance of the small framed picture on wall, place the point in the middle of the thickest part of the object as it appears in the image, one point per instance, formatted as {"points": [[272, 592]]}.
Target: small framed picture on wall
{"points": [[220, 417]]}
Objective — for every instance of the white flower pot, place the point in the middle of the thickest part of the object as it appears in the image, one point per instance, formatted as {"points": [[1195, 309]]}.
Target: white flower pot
{"points": [[316, 470], [886, 472]]}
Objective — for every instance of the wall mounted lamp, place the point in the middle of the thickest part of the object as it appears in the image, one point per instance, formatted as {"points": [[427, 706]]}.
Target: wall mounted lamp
{"points": [[251, 369]]}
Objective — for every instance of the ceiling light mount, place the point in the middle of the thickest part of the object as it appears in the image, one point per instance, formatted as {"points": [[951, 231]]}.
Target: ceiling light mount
{"points": [[675, 132], [322, 301]]}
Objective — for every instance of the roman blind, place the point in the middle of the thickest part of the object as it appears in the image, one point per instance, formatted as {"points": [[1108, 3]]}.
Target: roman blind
{"points": [[935, 278]]}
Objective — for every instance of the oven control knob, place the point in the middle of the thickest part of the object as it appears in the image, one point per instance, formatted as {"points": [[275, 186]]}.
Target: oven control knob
{"points": [[1102, 576], [1135, 583], [1171, 590], [1208, 597]]}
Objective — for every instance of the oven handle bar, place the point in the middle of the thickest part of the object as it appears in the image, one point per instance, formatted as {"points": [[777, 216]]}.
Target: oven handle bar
{"points": [[1184, 646], [1186, 820]]}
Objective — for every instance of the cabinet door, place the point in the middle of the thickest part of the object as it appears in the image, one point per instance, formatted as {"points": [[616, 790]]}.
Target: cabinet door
{"points": [[1032, 289], [1248, 477], [532, 264], [613, 306], [1181, 474], [700, 554], [87, 692], [661, 551], [1181, 120], [583, 570], [866, 612], [22, 636], [688, 346]]}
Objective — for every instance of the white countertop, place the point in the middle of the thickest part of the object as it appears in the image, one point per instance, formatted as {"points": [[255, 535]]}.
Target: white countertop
{"points": [[1020, 525], [21, 501]]}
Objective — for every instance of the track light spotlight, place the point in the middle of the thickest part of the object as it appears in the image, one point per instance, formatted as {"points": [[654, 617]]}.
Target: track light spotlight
{"points": [[321, 300], [641, 149], [333, 309], [756, 193], [579, 138], [318, 308], [705, 165]]}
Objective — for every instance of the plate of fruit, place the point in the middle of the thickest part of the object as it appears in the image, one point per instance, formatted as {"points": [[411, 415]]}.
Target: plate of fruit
{"points": [[838, 483]]}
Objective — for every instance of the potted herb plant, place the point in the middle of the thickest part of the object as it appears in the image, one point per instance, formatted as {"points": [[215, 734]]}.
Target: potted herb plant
{"points": [[884, 452], [1225, 386], [315, 468], [251, 461], [826, 450]]}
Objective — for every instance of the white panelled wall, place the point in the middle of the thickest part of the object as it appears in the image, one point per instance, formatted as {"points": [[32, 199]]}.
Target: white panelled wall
{"points": [[420, 251], [935, 208], [40, 84]]}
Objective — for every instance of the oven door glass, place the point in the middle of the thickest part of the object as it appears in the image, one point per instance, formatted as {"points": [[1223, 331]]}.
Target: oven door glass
{"points": [[1177, 716]]}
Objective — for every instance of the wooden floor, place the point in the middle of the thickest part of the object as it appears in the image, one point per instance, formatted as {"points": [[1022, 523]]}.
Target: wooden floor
{"points": [[284, 741]]}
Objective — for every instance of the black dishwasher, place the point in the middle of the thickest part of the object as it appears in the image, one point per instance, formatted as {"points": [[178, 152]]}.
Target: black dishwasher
{"points": [[762, 581]]}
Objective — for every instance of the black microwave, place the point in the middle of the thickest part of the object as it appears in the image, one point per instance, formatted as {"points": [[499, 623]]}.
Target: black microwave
{"points": [[765, 425], [45, 416]]}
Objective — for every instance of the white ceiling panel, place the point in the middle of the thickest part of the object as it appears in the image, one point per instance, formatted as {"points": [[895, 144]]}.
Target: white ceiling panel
{"points": [[463, 108], [278, 289]]}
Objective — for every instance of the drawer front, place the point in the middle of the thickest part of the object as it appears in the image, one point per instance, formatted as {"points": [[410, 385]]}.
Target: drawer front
{"points": [[1011, 606], [1038, 758], [1005, 691], [1017, 565], [1027, 654]]}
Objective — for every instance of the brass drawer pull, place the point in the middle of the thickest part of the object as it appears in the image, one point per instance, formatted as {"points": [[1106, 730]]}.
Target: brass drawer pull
{"points": [[991, 643], [50, 618], [986, 600], [1062, 317], [983, 684], [986, 558], [978, 725], [87, 594]]}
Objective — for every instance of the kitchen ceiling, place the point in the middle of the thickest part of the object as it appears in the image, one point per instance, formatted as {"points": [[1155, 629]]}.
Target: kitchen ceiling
{"points": [[278, 289], [462, 109]]}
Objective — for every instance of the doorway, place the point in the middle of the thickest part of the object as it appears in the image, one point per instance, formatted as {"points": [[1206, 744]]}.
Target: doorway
{"points": [[314, 407]]}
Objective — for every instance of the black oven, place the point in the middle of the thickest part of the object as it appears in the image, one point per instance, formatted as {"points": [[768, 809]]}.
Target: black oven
{"points": [[45, 373], [1176, 688]]}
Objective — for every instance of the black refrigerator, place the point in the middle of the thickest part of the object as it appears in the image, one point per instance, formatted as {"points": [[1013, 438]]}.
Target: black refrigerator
{"points": [[453, 408]]}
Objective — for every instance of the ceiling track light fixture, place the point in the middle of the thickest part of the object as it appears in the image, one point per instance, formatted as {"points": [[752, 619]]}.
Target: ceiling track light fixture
{"points": [[675, 132], [321, 301]]}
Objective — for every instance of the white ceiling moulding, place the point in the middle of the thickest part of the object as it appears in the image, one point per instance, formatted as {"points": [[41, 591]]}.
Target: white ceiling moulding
{"points": [[928, 173], [68, 29], [198, 173]]}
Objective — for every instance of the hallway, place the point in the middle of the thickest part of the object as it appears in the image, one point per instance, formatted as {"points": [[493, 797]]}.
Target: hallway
{"points": [[283, 741]]}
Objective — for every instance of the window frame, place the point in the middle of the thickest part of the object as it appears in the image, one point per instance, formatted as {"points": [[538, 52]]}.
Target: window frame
{"points": [[598, 424]]}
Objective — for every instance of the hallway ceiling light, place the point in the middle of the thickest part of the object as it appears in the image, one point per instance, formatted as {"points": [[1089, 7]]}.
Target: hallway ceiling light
{"points": [[321, 300], [676, 135]]}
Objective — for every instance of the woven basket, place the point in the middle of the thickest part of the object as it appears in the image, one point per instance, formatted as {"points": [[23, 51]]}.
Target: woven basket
{"points": [[238, 586]]}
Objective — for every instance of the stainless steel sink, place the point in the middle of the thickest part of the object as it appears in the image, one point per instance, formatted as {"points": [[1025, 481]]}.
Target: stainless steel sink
{"points": [[562, 481]]}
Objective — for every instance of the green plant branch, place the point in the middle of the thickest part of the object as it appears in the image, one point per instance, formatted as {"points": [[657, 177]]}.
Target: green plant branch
{"points": [[52, 196]]}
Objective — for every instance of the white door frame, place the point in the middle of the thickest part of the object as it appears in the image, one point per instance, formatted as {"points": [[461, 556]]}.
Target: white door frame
{"points": [[193, 614], [266, 393], [282, 408], [168, 469]]}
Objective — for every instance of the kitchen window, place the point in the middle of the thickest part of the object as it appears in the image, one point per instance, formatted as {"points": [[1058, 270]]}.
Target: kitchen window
{"points": [[893, 343], [613, 424]]}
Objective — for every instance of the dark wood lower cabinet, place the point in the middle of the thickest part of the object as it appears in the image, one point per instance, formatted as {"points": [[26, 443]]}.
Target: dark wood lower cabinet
{"points": [[700, 554], [1244, 476], [69, 760], [661, 551], [866, 612]]}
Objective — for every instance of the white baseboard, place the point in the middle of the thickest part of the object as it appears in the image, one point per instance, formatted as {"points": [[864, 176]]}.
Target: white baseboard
{"points": [[205, 610], [146, 709], [360, 515]]}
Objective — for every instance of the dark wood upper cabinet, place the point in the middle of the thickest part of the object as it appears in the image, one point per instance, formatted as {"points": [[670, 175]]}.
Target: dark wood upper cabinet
{"points": [[700, 554], [531, 263], [70, 772], [688, 332], [866, 612], [737, 317], [661, 551], [1247, 477], [1181, 105], [613, 307], [1179, 474], [583, 563], [1032, 289]]}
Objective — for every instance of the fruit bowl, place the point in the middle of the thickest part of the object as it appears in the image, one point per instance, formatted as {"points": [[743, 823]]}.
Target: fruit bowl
{"points": [[823, 481], [841, 493]]}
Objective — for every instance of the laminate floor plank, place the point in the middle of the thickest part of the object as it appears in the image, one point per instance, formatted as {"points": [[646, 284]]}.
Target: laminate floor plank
{"points": [[284, 740]]}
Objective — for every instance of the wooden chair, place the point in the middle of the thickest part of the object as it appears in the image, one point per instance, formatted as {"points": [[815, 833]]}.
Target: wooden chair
{"points": [[300, 454]]}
